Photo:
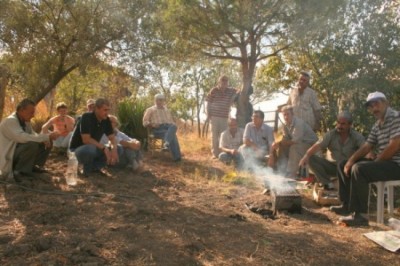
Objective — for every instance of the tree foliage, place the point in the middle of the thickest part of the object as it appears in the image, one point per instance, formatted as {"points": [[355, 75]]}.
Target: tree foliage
{"points": [[357, 56], [48, 39], [244, 31]]}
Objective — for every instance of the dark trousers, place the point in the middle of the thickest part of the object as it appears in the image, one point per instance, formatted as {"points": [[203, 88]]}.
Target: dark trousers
{"points": [[362, 173], [323, 169], [27, 155]]}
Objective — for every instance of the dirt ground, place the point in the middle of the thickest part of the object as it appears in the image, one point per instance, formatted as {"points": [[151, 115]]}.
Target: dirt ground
{"points": [[188, 213]]}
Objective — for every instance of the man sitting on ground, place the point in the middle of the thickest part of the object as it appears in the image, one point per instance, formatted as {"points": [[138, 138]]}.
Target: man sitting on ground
{"points": [[159, 119], [257, 140], [298, 136], [61, 123], [229, 143], [24, 151], [342, 142], [85, 141], [128, 148]]}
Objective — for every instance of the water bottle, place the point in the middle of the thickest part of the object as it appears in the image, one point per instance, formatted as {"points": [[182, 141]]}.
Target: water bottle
{"points": [[72, 169], [394, 224]]}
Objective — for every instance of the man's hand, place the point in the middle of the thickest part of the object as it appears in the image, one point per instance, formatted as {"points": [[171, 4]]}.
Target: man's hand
{"points": [[112, 156], [347, 168], [234, 152], [54, 135]]}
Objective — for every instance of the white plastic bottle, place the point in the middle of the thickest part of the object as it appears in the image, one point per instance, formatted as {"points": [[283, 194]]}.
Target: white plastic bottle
{"points": [[394, 224], [72, 169]]}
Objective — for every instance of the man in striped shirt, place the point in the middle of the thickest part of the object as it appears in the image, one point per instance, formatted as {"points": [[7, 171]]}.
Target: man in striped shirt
{"points": [[385, 137], [159, 119], [219, 101]]}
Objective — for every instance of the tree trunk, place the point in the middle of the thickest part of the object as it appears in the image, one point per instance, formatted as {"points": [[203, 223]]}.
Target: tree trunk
{"points": [[4, 78], [244, 107]]}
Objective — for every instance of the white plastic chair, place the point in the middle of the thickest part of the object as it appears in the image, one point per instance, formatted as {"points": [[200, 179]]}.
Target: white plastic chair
{"points": [[381, 185]]}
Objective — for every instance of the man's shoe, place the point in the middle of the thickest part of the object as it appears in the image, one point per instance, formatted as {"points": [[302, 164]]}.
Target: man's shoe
{"points": [[354, 220], [37, 169], [18, 177], [83, 173], [165, 147], [340, 210], [102, 172]]}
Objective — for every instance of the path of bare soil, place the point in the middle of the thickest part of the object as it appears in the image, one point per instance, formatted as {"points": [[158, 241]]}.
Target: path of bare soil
{"points": [[169, 214]]}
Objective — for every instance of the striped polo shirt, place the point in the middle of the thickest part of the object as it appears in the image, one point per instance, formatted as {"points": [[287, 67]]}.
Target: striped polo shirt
{"points": [[155, 115], [381, 134], [220, 101]]}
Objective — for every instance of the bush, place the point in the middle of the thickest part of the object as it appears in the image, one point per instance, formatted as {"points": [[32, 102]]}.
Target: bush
{"points": [[130, 114]]}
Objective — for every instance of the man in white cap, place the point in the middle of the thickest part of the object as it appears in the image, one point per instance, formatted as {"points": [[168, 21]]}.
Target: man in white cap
{"points": [[159, 119], [305, 102], [385, 138], [90, 105]]}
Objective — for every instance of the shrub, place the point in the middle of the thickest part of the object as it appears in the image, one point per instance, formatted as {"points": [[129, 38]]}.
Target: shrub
{"points": [[130, 114]]}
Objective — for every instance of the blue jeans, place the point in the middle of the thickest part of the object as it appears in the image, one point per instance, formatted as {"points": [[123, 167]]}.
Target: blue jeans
{"points": [[167, 132], [228, 158], [127, 156], [91, 157]]}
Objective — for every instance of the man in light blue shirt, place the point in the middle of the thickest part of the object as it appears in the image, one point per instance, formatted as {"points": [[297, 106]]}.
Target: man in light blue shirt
{"points": [[257, 139]]}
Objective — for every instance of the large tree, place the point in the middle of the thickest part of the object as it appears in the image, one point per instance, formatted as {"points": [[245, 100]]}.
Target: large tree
{"points": [[45, 40], [357, 56], [243, 30]]}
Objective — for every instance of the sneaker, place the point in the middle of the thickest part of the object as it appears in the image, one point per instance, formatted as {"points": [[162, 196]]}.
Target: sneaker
{"points": [[165, 147], [354, 220], [38, 169], [340, 210]]}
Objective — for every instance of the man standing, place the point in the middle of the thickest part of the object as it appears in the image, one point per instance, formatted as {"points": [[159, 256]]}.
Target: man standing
{"points": [[305, 102], [385, 138], [297, 138], [342, 142], [257, 139], [159, 119], [24, 151], [85, 141], [230, 141], [219, 101]]}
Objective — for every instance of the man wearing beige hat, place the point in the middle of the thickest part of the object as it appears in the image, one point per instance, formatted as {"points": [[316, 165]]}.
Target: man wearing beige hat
{"points": [[159, 119], [384, 137]]}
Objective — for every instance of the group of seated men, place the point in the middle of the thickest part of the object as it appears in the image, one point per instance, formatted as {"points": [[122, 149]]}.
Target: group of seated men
{"points": [[97, 142], [356, 162], [256, 143], [94, 138]]}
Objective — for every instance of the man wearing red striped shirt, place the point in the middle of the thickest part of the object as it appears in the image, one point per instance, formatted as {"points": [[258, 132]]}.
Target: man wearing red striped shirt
{"points": [[219, 101]]}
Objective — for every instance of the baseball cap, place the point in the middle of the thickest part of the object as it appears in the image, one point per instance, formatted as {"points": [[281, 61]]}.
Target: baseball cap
{"points": [[374, 96], [90, 102], [159, 97]]}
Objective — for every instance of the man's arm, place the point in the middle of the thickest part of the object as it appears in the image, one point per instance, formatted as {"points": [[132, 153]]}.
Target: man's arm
{"points": [[147, 118], [390, 150], [360, 153], [47, 125], [87, 139], [311, 151], [13, 131]]}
